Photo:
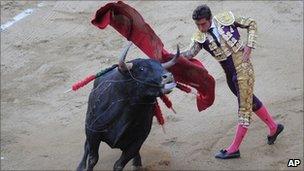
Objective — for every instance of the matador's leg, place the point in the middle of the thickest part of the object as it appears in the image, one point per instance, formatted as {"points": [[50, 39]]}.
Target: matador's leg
{"points": [[248, 102], [231, 79], [245, 81], [237, 81]]}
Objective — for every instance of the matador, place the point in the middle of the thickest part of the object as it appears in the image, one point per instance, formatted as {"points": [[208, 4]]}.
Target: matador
{"points": [[219, 36]]}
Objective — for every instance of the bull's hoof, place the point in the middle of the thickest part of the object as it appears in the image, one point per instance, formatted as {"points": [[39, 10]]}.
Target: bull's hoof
{"points": [[138, 168], [117, 168], [81, 167]]}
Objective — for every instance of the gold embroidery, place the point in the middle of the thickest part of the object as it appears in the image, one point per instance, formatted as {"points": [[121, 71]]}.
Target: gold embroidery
{"points": [[245, 77], [212, 46], [220, 30], [217, 52], [225, 18], [199, 37], [251, 26], [227, 52], [221, 57], [231, 42], [226, 36], [237, 46]]}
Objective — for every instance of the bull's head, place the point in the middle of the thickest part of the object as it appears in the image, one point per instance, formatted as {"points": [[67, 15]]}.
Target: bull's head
{"points": [[152, 78]]}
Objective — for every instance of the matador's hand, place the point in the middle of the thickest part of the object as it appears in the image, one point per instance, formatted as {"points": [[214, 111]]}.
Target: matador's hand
{"points": [[246, 53]]}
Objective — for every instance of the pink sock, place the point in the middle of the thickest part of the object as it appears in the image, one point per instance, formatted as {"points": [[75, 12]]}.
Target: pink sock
{"points": [[267, 119], [238, 138]]}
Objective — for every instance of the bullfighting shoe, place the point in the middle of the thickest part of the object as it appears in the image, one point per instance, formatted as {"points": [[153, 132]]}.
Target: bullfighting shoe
{"points": [[271, 139], [223, 154]]}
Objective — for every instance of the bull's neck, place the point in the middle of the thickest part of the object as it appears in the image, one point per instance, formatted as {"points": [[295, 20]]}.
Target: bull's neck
{"points": [[129, 87], [126, 85]]}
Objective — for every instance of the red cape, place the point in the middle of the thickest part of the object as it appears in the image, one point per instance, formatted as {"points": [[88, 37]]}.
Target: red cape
{"points": [[129, 23]]}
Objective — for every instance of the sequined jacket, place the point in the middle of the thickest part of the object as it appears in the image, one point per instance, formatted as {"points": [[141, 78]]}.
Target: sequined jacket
{"points": [[227, 25]]}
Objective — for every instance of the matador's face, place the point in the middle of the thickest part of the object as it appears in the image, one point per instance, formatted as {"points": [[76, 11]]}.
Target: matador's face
{"points": [[203, 24]]}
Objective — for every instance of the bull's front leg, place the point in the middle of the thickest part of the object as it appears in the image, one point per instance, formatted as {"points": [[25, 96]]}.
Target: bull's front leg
{"points": [[131, 152], [137, 165], [94, 144], [83, 164]]}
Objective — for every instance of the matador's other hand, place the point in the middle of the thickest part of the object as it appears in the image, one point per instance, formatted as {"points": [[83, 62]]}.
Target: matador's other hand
{"points": [[246, 53]]}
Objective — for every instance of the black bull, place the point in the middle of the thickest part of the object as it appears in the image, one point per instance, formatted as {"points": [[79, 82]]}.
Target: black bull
{"points": [[120, 108]]}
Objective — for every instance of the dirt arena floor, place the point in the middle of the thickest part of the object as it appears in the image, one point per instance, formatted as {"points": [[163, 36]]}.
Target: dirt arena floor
{"points": [[43, 54]]}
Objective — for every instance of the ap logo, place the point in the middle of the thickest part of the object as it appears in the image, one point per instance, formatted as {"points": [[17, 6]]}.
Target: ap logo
{"points": [[293, 163]]}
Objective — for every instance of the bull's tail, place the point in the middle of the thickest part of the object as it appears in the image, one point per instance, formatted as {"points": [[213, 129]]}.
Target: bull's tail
{"points": [[83, 164]]}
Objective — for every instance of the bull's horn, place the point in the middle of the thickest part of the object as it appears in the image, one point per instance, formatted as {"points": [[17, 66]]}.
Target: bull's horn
{"points": [[172, 61], [122, 65]]}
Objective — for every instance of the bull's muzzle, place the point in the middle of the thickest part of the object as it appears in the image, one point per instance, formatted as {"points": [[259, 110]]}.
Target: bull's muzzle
{"points": [[168, 83]]}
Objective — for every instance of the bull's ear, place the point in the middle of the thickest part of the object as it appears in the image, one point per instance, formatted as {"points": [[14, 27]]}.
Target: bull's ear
{"points": [[125, 66]]}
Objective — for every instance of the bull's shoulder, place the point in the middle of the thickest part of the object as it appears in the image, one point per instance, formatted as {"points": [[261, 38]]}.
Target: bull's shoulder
{"points": [[109, 76], [97, 81]]}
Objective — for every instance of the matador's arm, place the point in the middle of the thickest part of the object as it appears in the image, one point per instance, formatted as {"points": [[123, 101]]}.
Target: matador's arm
{"points": [[251, 27], [192, 51]]}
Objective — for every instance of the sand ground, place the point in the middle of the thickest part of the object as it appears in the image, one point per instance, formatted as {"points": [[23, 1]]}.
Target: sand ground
{"points": [[43, 54]]}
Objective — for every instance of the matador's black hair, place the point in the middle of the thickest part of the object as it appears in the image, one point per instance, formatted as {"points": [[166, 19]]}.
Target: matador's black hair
{"points": [[202, 11]]}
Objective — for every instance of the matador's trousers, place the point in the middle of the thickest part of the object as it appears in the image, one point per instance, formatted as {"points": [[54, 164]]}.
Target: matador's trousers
{"points": [[240, 79]]}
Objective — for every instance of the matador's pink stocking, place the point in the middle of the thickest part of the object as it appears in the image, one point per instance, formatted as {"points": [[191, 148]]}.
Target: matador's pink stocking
{"points": [[267, 119], [238, 138]]}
